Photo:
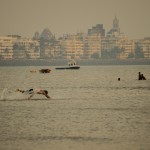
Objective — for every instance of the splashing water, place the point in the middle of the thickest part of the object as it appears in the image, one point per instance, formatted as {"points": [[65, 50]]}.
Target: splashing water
{"points": [[3, 93], [9, 94]]}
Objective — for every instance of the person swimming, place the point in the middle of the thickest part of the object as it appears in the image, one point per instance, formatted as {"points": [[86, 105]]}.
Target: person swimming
{"points": [[32, 92]]}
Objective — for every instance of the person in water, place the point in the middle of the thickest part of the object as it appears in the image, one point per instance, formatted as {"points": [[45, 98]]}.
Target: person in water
{"points": [[141, 76], [32, 92]]}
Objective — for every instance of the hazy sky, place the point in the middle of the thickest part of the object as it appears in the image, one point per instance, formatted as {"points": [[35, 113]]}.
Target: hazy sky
{"points": [[25, 17]]}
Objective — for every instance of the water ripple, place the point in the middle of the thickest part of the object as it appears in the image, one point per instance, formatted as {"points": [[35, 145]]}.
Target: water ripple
{"points": [[74, 138]]}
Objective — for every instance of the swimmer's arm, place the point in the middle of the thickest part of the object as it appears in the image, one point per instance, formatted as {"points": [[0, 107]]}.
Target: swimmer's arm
{"points": [[47, 96], [30, 96]]}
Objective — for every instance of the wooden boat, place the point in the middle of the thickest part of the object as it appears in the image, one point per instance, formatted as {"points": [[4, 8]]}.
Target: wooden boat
{"points": [[45, 71]]}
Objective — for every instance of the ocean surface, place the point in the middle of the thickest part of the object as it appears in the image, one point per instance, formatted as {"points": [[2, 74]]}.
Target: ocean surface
{"points": [[89, 109]]}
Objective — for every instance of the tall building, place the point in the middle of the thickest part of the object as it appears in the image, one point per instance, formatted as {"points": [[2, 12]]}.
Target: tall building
{"points": [[98, 29], [26, 48], [92, 46], [127, 48], [6, 47], [115, 27], [143, 47], [46, 43], [117, 45], [72, 47]]}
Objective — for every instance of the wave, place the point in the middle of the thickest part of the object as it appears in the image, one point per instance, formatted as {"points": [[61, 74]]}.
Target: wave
{"points": [[36, 99], [43, 99], [73, 138]]}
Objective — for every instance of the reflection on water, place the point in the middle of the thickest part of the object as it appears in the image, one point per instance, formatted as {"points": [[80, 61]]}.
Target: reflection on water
{"points": [[89, 109]]}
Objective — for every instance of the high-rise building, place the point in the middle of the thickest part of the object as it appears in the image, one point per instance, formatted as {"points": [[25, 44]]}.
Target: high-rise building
{"points": [[46, 43], [143, 47], [26, 48], [92, 46], [116, 44], [72, 47], [98, 29], [115, 28], [6, 47]]}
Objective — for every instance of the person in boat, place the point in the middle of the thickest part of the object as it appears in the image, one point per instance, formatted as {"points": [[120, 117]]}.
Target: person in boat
{"points": [[32, 92]]}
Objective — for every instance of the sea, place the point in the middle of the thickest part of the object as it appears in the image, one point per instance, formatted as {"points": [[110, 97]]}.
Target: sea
{"points": [[89, 108]]}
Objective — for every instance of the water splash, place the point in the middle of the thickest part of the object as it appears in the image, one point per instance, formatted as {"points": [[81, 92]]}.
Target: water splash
{"points": [[3, 93]]}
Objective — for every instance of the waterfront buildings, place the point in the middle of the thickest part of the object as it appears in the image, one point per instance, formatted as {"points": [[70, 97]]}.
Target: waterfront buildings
{"points": [[92, 46], [95, 44], [26, 48], [72, 46], [143, 48], [15, 47], [116, 45], [6, 48], [98, 29]]}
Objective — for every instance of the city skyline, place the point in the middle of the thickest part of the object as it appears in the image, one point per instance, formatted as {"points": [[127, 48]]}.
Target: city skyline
{"points": [[69, 17]]}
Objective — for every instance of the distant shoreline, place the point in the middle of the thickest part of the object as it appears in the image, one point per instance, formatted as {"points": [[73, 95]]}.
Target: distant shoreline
{"points": [[63, 62]]}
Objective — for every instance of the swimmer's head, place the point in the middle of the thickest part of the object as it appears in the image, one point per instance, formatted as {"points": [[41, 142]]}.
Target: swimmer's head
{"points": [[46, 92]]}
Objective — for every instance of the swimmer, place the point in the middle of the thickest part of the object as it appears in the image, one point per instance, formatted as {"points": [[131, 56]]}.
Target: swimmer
{"points": [[31, 92]]}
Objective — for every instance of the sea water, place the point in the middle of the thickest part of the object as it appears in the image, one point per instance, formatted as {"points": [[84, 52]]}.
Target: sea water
{"points": [[89, 109]]}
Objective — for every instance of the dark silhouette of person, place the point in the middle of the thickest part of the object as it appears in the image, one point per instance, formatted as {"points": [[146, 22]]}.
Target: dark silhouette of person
{"points": [[140, 76]]}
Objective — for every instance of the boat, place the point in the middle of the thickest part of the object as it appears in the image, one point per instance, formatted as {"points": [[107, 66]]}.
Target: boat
{"points": [[71, 65], [45, 71]]}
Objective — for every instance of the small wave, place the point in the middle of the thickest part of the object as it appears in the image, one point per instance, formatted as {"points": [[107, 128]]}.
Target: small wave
{"points": [[59, 138], [103, 87], [129, 88], [45, 99], [3, 92], [36, 99]]}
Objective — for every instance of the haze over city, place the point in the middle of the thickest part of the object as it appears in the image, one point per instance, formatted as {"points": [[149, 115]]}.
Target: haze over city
{"points": [[24, 17]]}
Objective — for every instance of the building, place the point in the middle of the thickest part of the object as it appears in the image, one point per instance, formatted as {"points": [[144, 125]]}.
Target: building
{"points": [[116, 45], [6, 47], [47, 40], [72, 46], [144, 47], [98, 29], [92, 46], [127, 48], [115, 28], [26, 48]]}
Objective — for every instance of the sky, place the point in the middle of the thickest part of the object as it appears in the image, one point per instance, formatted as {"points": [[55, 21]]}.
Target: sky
{"points": [[25, 17]]}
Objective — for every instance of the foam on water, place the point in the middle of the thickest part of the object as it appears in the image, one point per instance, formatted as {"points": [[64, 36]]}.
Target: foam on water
{"points": [[8, 94], [3, 94]]}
